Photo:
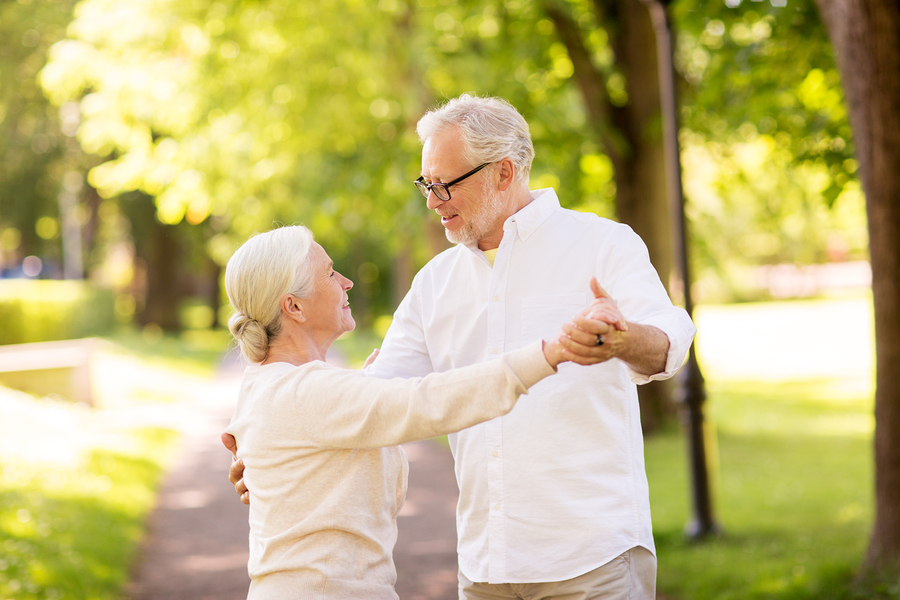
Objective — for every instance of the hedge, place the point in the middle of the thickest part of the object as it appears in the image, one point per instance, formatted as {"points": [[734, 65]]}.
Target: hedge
{"points": [[33, 310]]}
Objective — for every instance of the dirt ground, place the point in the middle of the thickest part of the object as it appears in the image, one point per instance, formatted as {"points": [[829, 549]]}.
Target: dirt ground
{"points": [[196, 546]]}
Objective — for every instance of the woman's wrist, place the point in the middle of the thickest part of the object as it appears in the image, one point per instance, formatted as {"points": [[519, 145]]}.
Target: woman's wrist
{"points": [[553, 352]]}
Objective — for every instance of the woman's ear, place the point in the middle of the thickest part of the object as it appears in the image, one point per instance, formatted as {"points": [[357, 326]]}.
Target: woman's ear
{"points": [[292, 309]]}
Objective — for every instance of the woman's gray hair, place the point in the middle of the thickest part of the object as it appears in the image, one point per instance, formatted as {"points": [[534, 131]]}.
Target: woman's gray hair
{"points": [[264, 269], [491, 130]]}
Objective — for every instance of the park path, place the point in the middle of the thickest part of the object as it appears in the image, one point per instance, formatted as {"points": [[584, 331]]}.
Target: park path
{"points": [[196, 542]]}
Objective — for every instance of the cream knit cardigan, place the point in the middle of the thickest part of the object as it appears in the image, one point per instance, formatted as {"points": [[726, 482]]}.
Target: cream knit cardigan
{"points": [[326, 475]]}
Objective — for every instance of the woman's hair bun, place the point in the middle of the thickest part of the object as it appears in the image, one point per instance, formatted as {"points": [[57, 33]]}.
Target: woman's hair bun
{"points": [[251, 336]]}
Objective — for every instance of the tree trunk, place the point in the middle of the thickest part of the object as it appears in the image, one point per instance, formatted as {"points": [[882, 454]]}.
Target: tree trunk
{"points": [[642, 202], [631, 136], [866, 39], [163, 289], [213, 289]]}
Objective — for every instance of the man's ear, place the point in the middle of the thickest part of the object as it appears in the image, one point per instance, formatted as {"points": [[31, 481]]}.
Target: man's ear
{"points": [[507, 172], [292, 309]]}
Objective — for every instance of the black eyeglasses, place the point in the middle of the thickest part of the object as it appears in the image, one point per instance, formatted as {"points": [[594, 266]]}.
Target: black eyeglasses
{"points": [[442, 190]]}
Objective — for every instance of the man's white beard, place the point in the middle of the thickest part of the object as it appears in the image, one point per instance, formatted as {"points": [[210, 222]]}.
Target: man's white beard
{"points": [[487, 212]]}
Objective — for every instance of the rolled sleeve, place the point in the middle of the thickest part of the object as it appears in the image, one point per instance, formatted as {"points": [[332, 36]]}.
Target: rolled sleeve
{"points": [[677, 326]]}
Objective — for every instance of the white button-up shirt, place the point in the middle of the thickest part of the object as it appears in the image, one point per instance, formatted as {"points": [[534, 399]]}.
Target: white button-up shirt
{"points": [[557, 487]]}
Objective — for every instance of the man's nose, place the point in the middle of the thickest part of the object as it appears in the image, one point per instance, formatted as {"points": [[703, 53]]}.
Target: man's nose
{"points": [[432, 201]]}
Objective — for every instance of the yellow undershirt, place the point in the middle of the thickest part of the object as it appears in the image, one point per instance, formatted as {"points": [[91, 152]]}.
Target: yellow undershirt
{"points": [[491, 255]]}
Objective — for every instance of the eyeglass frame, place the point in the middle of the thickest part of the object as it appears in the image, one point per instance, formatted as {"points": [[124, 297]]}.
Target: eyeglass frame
{"points": [[427, 188]]}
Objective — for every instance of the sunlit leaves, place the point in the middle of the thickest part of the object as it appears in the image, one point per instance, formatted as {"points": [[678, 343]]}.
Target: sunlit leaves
{"points": [[233, 115], [766, 110]]}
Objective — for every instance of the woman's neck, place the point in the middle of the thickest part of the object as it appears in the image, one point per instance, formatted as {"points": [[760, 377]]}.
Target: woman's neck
{"points": [[296, 349]]}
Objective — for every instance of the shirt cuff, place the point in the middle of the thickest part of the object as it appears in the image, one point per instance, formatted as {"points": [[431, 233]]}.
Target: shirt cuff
{"points": [[529, 363], [681, 336]]}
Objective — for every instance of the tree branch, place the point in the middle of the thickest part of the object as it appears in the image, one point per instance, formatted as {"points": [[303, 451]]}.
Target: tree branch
{"points": [[590, 81]]}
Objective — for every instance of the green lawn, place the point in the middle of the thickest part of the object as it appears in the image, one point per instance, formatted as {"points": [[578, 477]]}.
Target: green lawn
{"points": [[792, 456], [77, 483]]}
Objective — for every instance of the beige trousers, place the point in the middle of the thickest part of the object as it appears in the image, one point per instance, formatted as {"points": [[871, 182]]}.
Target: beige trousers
{"points": [[629, 576]]}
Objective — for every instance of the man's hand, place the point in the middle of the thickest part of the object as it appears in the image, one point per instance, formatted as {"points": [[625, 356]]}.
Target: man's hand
{"points": [[371, 358], [577, 344], [600, 333], [236, 472]]}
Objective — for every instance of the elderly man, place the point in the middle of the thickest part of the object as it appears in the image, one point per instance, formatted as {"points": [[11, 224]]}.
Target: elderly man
{"points": [[554, 500]]}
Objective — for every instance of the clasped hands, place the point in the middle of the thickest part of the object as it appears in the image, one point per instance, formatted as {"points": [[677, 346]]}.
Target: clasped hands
{"points": [[595, 334]]}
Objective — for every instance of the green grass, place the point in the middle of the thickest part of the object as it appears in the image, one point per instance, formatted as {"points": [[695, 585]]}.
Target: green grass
{"points": [[72, 533], [793, 494], [77, 483], [793, 488]]}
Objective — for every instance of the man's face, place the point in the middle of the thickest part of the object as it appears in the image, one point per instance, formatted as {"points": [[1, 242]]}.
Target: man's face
{"points": [[474, 210]]}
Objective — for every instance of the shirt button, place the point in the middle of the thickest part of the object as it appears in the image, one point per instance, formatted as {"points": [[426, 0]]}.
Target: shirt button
{"points": [[495, 350], [497, 298], [496, 507], [494, 454]]}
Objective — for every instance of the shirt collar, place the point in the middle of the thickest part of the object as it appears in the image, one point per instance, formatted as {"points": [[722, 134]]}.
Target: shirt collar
{"points": [[530, 217], [543, 203]]}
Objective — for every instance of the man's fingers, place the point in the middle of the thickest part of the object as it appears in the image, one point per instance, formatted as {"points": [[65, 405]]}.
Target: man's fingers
{"points": [[371, 358], [577, 348], [230, 443], [584, 343], [236, 472], [580, 358]]}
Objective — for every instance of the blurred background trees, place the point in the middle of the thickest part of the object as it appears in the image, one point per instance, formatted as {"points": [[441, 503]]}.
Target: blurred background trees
{"points": [[142, 141], [145, 140]]}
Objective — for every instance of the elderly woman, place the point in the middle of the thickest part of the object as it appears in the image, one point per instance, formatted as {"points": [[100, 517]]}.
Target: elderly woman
{"points": [[320, 443]]}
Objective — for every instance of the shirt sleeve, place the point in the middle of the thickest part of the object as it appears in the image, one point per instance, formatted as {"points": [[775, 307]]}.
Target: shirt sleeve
{"points": [[624, 270], [339, 408], [404, 351]]}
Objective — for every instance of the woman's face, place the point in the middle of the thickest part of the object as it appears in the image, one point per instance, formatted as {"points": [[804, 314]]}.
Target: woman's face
{"points": [[328, 307]]}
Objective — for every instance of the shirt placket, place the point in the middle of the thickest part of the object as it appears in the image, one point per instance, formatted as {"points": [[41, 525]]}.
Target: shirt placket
{"points": [[496, 345]]}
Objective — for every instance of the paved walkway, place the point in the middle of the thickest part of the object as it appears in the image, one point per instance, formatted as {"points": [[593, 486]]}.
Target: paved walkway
{"points": [[196, 546]]}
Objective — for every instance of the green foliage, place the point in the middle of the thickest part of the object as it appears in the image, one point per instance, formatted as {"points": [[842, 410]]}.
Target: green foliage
{"points": [[47, 310], [235, 115], [77, 484], [39, 157], [769, 168], [230, 116]]}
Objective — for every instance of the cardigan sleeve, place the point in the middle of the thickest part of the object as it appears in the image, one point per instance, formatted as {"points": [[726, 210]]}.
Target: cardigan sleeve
{"points": [[327, 407]]}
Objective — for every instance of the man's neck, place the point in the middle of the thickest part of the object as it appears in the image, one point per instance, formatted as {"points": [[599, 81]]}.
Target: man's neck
{"points": [[492, 240]]}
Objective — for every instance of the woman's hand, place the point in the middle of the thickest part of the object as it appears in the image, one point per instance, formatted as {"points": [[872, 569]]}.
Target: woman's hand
{"points": [[604, 308]]}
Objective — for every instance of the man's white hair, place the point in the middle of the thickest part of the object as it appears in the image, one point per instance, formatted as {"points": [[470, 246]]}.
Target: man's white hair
{"points": [[491, 130]]}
